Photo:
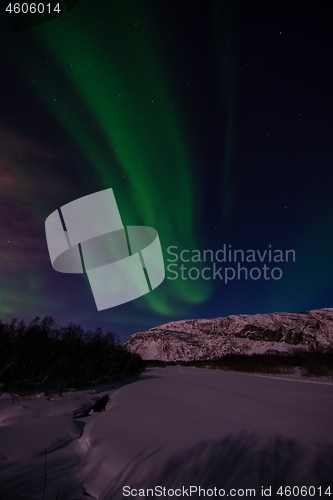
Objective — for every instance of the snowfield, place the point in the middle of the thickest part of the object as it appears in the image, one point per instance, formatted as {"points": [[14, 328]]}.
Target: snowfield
{"points": [[174, 427]]}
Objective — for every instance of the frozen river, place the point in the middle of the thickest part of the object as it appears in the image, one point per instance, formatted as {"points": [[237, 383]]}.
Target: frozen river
{"points": [[173, 428]]}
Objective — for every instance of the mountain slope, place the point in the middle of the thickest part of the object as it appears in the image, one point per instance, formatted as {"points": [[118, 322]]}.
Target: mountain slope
{"points": [[189, 340]]}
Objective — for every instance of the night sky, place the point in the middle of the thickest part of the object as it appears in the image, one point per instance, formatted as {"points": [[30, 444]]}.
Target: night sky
{"points": [[211, 121]]}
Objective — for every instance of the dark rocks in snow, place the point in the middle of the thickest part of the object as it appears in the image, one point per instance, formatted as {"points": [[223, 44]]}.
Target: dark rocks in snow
{"points": [[99, 405]]}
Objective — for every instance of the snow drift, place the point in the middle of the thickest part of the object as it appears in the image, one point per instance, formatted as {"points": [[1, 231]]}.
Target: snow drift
{"points": [[174, 427]]}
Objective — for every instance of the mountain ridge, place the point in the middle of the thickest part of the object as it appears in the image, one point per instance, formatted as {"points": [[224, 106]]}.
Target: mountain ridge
{"points": [[208, 339]]}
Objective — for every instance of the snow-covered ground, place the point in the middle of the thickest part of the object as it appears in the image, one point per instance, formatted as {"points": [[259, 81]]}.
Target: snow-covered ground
{"points": [[173, 427]]}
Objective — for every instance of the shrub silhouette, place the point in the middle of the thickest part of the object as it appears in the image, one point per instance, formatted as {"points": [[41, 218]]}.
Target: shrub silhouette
{"points": [[41, 356]]}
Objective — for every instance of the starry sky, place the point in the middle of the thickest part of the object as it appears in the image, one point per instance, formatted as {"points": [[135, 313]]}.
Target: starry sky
{"points": [[211, 121]]}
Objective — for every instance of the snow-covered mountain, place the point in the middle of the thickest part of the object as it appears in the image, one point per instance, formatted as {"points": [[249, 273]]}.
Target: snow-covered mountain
{"points": [[189, 340]]}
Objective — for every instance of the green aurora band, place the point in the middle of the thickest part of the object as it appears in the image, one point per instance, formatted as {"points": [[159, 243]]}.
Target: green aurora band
{"points": [[127, 130]]}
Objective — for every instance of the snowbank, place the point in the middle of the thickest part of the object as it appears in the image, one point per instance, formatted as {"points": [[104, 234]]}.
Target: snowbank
{"points": [[173, 427]]}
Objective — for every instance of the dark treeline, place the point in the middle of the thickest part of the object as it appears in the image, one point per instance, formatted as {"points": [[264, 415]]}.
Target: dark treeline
{"points": [[43, 357], [310, 363]]}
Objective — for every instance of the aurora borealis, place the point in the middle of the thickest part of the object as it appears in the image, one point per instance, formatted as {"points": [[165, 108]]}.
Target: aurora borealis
{"points": [[211, 121]]}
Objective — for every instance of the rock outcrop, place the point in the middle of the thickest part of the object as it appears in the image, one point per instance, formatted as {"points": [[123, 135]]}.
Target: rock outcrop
{"points": [[207, 339]]}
